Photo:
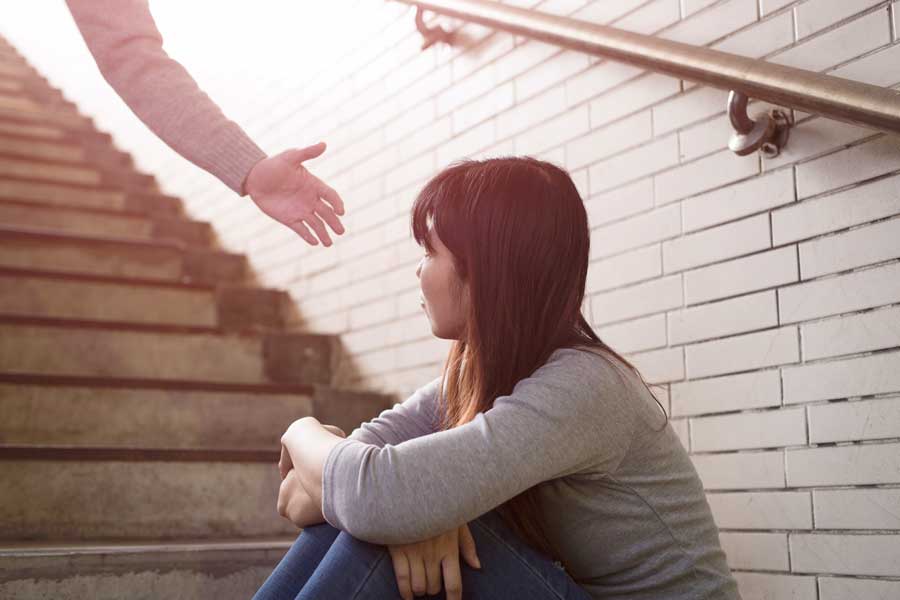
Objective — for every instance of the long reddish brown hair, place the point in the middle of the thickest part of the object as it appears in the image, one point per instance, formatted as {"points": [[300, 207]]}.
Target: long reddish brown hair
{"points": [[518, 232]]}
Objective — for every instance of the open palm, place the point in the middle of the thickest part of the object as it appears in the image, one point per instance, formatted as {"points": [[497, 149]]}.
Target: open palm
{"points": [[286, 191]]}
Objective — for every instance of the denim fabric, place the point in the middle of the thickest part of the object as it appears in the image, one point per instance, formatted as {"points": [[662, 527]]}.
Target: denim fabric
{"points": [[328, 564]]}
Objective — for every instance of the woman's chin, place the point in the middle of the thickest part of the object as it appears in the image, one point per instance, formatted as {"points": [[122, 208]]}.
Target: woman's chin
{"points": [[442, 334]]}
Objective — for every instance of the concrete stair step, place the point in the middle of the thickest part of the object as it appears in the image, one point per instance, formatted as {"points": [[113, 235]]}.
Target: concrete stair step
{"points": [[18, 102], [96, 493], [88, 196], [49, 171], [42, 132], [53, 115], [35, 86], [89, 349], [65, 411], [67, 415], [77, 148], [37, 98], [227, 569], [10, 86], [13, 69], [27, 147], [86, 148], [164, 260], [231, 307], [104, 168], [102, 222]]}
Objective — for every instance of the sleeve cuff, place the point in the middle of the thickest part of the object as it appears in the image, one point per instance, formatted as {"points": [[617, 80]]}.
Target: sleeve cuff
{"points": [[234, 155]]}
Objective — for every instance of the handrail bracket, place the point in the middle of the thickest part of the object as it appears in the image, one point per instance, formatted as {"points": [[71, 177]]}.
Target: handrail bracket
{"points": [[768, 133], [431, 35]]}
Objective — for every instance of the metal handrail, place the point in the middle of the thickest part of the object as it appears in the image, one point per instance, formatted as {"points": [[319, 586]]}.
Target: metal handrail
{"points": [[833, 97]]}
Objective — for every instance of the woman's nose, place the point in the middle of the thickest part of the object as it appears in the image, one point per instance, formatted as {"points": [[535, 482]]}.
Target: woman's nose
{"points": [[418, 268]]}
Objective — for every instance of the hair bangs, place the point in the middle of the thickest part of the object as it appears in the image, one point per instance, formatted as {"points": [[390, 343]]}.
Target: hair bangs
{"points": [[431, 209]]}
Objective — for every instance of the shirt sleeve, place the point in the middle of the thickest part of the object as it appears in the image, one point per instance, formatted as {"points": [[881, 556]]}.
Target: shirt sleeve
{"points": [[574, 413], [414, 417], [127, 47]]}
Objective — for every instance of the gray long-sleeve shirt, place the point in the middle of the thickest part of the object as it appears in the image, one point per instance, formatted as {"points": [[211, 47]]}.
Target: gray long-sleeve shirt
{"points": [[622, 502]]}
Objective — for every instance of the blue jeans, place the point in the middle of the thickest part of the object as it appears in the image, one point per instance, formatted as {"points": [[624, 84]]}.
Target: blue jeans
{"points": [[328, 564]]}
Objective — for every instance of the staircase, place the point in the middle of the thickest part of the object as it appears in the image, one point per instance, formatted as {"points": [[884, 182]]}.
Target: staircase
{"points": [[145, 380]]}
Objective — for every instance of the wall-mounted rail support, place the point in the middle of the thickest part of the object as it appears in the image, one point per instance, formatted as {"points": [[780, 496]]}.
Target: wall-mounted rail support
{"points": [[816, 93]]}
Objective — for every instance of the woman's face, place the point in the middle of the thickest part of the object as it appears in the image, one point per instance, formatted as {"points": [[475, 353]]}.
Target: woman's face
{"points": [[443, 297]]}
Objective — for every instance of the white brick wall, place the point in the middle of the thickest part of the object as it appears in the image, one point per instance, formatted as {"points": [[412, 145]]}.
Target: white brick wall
{"points": [[763, 294]]}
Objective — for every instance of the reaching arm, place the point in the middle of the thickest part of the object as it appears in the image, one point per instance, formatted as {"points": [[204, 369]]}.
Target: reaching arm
{"points": [[127, 47], [572, 413]]}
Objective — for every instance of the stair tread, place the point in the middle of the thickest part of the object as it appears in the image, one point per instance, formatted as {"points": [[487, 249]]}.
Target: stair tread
{"points": [[125, 213], [113, 279], [51, 548], [75, 323], [90, 187], [53, 234], [135, 327], [58, 452], [161, 384], [104, 221]]}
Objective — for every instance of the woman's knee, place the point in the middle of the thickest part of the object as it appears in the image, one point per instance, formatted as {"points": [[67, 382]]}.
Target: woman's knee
{"points": [[324, 532], [352, 569]]}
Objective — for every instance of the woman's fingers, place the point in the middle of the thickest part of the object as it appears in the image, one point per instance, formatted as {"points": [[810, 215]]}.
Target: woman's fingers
{"points": [[417, 575], [284, 462], [401, 572], [433, 577], [452, 578], [467, 547], [335, 430]]}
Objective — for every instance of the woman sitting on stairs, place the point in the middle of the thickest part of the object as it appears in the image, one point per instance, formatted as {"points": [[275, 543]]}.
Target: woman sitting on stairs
{"points": [[540, 448]]}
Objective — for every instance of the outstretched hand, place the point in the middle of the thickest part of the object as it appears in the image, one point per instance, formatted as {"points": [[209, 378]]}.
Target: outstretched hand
{"points": [[283, 189]]}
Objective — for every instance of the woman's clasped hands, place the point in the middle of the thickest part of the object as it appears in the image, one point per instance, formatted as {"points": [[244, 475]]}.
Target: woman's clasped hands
{"points": [[420, 567], [294, 502]]}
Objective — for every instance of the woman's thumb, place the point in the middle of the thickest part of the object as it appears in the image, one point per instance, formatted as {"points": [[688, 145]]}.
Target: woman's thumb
{"points": [[467, 547], [335, 430]]}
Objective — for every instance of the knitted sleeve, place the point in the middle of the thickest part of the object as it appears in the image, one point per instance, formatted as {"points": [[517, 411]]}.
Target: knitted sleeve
{"points": [[124, 40]]}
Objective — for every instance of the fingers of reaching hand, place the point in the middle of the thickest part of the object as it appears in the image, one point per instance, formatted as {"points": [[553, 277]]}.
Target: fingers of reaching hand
{"points": [[318, 227], [314, 220], [302, 231], [325, 212], [331, 196]]}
